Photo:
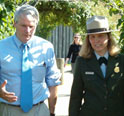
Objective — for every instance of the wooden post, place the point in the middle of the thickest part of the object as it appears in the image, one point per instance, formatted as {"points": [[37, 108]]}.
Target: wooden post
{"points": [[60, 65]]}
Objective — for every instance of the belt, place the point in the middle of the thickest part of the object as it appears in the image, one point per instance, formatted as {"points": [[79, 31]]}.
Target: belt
{"points": [[20, 106]]}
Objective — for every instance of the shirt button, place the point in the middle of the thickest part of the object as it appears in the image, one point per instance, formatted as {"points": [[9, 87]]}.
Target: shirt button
{"points": [[105, 97], [105, 85], [106, 92], [105, 108]]}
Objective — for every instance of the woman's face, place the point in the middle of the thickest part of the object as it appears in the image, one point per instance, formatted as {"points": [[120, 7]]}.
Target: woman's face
{"points": [[99, 42], [77, 40]]}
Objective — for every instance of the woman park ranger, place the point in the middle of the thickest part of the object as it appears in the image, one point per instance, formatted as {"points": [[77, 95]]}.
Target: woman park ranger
{"points": [[98, 86]]}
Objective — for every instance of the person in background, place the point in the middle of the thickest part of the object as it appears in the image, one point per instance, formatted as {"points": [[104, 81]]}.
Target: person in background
{"points": [[25, 96], [98, 85], [73, 51]]}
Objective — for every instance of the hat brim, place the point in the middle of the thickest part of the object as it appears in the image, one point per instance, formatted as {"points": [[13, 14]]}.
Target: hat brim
{"points": [[99, 32], [77, 36]]}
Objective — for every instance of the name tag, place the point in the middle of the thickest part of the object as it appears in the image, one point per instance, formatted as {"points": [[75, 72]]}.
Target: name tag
{"points": [[89, 73]]}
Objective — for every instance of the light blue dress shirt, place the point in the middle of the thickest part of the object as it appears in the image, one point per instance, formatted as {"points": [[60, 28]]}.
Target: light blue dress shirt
{"points": [[42, 61], [103, 66]]}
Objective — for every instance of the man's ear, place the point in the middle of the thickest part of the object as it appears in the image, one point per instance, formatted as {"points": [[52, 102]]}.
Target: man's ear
{"points": [[14, 24]]}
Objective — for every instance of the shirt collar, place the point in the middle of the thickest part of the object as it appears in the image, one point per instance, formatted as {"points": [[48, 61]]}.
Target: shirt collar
{"points": [[19, 43], [105, 55]]}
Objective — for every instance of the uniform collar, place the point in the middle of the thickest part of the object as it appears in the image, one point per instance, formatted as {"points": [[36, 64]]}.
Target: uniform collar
{"points": [[105, 55]]}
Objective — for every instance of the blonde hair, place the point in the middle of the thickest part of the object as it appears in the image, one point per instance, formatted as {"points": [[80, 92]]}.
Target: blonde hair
{"points": [[87, 51], [80, 42]]}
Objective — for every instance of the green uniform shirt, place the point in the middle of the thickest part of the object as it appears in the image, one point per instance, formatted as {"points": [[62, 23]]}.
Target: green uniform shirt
{"points": [[101, 96]]}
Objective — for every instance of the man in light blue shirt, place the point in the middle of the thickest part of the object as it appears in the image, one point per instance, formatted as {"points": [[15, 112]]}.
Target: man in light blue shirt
{"points": [[45, 75]]}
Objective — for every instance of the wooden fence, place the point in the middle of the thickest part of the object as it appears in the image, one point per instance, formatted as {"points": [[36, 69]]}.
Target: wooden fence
{"points": [[61, 38]]}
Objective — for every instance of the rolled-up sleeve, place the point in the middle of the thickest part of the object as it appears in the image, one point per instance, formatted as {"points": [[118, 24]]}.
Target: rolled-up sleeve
{"points": [[53, 73]]}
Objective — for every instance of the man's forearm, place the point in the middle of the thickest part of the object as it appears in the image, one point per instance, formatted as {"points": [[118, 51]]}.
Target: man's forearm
{"points": [[52, 99]]}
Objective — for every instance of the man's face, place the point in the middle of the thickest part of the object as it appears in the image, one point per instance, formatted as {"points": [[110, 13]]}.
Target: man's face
{"points": [[25, 27]]}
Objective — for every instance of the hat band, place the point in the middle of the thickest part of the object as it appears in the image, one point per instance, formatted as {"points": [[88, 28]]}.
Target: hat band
{"points": [[96, 30]]}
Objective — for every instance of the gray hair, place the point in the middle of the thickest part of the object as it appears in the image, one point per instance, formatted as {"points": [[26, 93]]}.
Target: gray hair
{"points": [[27, 10]]}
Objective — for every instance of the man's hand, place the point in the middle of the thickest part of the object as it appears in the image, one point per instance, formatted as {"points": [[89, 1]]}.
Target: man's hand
{"points": [[8, 96], [52, 114]]}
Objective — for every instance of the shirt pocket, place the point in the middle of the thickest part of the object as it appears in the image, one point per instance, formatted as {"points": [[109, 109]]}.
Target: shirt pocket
{"points": [[90, 81], [39, 72]]}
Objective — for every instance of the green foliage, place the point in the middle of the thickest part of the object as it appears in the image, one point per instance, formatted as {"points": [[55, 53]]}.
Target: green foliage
{"points": [[117, 7], [6, 11], [7, 8], [54, 13]]}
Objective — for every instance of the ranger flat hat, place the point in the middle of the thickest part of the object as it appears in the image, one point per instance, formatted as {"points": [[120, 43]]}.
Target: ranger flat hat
{"points": [[97, 24]]}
